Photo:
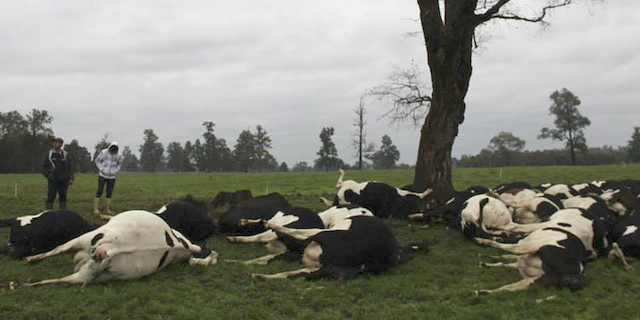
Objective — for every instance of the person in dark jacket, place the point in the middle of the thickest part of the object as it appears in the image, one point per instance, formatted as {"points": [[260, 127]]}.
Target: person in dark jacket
{"points": [[57, 170]]}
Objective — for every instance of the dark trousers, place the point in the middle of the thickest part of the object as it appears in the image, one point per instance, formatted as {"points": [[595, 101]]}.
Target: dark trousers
{"points": [[56, 187], [110, 184]]}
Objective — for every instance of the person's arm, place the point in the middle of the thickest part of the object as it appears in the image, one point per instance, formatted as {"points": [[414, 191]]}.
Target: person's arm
{"points": [[99, 160], [119, 159], [46, 166]]}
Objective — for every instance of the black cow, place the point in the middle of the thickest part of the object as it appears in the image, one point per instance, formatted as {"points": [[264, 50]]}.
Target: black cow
{"points": [[354, 245], [258, 208], [40, 233], [190, 217], [382, 199], [224, 198]]}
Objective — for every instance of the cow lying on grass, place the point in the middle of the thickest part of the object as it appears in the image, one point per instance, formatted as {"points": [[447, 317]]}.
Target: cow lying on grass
{"points": [[351, 246], [626, 239], [263, 208], [39, 233], [281, 245], [382, 199], [131, 245]]}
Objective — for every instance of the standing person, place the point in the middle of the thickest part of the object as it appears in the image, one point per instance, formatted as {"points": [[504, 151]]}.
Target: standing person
{"points": [[57, 170], [108, 162]]}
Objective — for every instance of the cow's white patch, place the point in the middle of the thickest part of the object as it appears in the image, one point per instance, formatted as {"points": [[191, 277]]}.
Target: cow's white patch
{"points": [[282, 219], [25, 220], [630, 230]]}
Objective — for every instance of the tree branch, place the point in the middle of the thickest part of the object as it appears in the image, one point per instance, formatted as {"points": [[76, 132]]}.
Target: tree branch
{"points": [[493, 13]]}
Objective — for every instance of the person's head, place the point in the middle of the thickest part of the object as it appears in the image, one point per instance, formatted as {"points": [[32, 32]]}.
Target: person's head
{"points": [[113, 147], [57, 143]]}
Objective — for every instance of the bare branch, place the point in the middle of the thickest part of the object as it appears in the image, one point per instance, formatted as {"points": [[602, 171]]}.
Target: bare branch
{"points": [[405, 91], [494, 12]]}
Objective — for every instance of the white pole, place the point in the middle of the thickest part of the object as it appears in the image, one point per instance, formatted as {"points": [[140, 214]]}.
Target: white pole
{"points": [[500, 172], [15, 190]]}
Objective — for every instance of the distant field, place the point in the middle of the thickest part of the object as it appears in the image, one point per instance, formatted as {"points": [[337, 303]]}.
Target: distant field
{"points": [[435, 285]]}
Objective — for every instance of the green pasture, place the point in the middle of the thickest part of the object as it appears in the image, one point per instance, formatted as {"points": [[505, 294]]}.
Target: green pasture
{"points": [[433, 285]]}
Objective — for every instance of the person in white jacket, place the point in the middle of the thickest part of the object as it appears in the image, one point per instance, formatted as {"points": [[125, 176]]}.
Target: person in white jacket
{"points": [[108, 162]]}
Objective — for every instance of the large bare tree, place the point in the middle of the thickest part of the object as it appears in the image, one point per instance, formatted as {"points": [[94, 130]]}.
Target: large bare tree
{"points": [[448, 27]]}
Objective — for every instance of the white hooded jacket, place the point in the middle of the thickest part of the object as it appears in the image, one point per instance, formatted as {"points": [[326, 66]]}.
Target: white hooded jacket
{"points": [[109, 164]]}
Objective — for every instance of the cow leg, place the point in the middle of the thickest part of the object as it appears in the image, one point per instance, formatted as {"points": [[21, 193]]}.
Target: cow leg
{"points": [[513, 265], [340, 178], [300, 234], [266, 236], [106, 217], [284, 275], [524, 228], [616, 252], [516, 286], [77, 243], [513, 248], [507, 256], [264, 260], [326, 202], [246, 222]]}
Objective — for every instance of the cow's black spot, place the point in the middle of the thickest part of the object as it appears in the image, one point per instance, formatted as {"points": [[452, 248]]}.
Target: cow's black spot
{"points": [[164, 257], [562, 224], [97, 238], [167, 237], [184, 243]]}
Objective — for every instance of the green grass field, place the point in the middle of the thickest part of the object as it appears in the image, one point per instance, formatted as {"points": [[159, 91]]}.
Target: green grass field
{"points": [[434, 285]]}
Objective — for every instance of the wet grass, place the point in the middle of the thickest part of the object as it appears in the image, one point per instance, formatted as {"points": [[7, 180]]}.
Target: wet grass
{"points": [[434, 285]]}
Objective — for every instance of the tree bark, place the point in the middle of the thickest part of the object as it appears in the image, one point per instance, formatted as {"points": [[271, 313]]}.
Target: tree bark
{"points": [[449, 47]]}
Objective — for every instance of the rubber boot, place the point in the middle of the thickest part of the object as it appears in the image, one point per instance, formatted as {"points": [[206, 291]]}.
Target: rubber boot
{"points": [[48, 205], [107, 203], [96, 203], [63, 205]]}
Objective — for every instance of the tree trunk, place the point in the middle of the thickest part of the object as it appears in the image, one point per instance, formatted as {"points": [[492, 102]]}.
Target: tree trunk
{"points": [[449, 54]]}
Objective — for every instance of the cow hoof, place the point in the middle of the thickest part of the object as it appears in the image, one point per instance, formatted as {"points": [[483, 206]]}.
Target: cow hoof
{"points": [[242, 222], [12, 285], [481, 264], [256, 276], [231, 239], [629, 268], [480, 293]]}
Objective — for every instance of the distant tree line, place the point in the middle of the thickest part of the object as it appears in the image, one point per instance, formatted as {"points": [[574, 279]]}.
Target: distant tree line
{"points": [[24, 140]]}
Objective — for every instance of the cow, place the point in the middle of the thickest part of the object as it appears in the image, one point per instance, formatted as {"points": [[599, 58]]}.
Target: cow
{"points": [[625, 237], [553, 255], [621, 200], [582, 223], [187, 215], [278, 245], [485, 216], [450, 210], [42, 232], [131, 245], [537, 209], [353, 245], [562, 191], [382, 199], [263, 208], [517, 197], [517, 185], [283, 246], [586, 188]]}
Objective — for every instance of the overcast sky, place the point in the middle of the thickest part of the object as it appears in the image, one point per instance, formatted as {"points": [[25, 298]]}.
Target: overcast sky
{"points": [[119, 67]]}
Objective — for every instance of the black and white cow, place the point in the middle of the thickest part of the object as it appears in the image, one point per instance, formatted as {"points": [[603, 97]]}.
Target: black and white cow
{"points": [[621, 200], [553, 255], [382, 199], [131, 245], [42, 232], [585, 189], [258, 208], [517, 185], [354, 245], [450, 210], [625, 237], [279, 245], [485, 216], [562, 191], [582, 223], [283, 246]]}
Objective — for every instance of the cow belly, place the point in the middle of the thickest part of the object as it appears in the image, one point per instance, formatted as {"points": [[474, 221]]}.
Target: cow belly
{"points": [[133, 265]]}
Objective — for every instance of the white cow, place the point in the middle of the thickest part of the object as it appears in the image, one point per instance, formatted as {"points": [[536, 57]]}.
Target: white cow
{"points": [[131, 245]]}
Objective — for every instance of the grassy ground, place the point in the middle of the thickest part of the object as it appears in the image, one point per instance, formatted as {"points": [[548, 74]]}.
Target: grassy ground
{"points": [[434, 285]]}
